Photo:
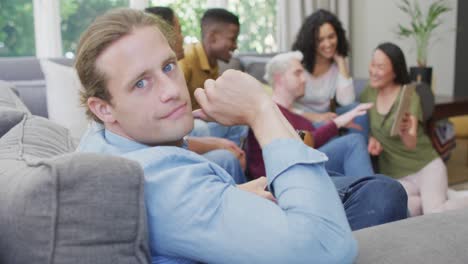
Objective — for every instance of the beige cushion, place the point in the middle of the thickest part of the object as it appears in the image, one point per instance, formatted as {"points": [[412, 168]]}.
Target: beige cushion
{"points": [[63, 103], [461, 125]]}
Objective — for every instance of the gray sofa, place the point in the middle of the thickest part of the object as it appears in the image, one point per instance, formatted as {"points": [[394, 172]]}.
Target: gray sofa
{"points": [[57, 206]]}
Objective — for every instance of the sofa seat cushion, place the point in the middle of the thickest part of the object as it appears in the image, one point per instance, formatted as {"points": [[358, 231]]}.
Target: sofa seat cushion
{"points": [[57, 206]]}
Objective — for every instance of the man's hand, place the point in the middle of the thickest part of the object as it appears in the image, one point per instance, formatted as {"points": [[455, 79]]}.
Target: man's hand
{"points": [[347, 119], [374, 147], [229, 145], [235, 98], [257, 187], [407, 125], [408, 130], [201, 145], [342, 65]]}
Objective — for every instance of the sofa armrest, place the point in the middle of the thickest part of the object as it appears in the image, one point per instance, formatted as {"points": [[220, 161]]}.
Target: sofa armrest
{"points": [[433, 238]]}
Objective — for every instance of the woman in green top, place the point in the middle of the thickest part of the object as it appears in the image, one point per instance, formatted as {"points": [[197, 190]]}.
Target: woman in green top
{"points": [[408, 156]]}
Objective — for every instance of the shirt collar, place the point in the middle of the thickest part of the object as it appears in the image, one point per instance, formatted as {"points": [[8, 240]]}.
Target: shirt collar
{"points": [[204, 64], [124, 144]]}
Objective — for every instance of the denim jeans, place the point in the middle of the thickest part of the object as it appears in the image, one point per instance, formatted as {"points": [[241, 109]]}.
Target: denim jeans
{"points": [[370, 201], [347, 155], [363, 120], [226, 160], [212, 129]]}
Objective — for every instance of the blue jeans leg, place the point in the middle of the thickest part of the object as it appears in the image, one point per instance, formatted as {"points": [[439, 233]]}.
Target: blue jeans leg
{"points": [[347, 155], [229, 162], [370, 201], [363, 120]]}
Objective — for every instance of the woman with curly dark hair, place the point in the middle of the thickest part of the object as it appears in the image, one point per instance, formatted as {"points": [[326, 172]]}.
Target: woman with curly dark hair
{"points": [[323, 42]]}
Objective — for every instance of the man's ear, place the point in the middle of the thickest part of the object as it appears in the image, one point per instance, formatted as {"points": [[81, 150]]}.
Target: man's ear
{"points": [[102, 109], [277, 78], [212, 36]]}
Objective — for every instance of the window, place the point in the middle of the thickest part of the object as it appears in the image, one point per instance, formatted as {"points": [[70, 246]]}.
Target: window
{"points": [[258, 25], [16, 28], [77, 15], [257, 19], [17, 31], [189, 13]]}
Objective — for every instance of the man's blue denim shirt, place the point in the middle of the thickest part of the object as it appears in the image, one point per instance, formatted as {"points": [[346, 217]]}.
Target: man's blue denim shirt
{"points": [[196, 212]]}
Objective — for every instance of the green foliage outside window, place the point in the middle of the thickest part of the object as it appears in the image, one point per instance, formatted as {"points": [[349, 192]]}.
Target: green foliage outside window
{"points": [[16, 28], [257, 19], [17, 23], [189, 13], [78, 14], [258, 24]]}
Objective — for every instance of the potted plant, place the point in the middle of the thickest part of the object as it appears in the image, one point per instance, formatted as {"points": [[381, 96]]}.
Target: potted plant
{"points": [[421, 29]]}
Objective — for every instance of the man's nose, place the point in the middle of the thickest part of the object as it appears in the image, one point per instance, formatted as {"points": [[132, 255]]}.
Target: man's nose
{"points": [[169, 90]]}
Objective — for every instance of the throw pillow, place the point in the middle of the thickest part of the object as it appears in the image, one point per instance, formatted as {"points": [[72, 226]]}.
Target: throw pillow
{"points": [[63, 104], [8, 98], [12, 110]]}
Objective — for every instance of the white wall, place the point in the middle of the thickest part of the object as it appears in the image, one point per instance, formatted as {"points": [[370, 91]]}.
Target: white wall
{"points": [[374, 21]]}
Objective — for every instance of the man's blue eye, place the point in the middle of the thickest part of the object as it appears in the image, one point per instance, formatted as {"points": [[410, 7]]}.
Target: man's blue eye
{"points": [[141, 83], [169, 67]]}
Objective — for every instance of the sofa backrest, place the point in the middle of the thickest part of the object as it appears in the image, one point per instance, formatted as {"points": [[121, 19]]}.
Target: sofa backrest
{"points": [[26, 75], [251, 63]]}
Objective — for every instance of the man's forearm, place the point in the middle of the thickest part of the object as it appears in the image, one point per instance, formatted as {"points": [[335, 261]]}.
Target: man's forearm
{"points": [[199, 145], [271, 124]]}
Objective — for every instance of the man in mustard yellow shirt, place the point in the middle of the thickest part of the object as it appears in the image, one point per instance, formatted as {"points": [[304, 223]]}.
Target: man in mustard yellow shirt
{"points": [[220, 29]]}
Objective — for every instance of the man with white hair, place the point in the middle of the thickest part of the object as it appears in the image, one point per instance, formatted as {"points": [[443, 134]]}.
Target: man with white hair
{"points": [[361, 192]]}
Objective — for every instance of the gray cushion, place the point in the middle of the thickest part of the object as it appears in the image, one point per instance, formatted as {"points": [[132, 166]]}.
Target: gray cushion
{"points": [[8, 119], [251, 63], [234, 63], [12, 109], [434, 238], [8, 98], [33, 94], [57, 206], [255, 64]]}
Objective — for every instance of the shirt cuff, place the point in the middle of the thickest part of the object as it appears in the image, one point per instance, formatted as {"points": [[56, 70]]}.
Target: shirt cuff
{"points": [[281, 154]]}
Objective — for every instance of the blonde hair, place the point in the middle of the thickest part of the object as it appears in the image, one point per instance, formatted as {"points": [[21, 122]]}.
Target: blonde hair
{"points": [[279, 64], [102, 33]]}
